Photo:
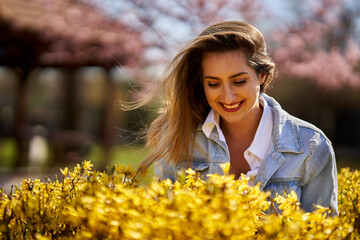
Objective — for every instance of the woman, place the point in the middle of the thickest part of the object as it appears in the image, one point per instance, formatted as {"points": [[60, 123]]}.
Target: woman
{"points": [[216, 111]]}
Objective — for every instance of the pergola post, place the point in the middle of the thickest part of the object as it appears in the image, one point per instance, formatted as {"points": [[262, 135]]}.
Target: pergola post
{"points": [[21, 129], [108, 120]]}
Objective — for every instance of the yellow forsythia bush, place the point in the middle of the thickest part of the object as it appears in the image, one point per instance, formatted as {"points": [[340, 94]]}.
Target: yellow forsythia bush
{"points": [[86, 204]]}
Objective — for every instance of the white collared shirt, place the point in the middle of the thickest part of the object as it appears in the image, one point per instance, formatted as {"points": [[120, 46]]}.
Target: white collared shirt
{"points": [[259, 147]]}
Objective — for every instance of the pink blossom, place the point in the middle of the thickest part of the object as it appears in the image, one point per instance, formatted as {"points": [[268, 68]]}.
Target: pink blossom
{"points": [[316, 47]]}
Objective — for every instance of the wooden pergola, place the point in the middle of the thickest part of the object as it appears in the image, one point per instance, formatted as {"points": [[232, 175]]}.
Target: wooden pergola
{"points": [[64, 34]]}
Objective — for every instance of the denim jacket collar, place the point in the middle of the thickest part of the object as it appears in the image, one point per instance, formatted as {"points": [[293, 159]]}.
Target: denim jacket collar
{"points": [[286, 134], [286, 138]]}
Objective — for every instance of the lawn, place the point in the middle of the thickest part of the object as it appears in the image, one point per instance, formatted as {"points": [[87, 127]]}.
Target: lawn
{"points": [[121, 154]]}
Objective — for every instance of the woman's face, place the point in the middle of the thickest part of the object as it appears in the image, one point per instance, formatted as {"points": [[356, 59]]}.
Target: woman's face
{"points": [[231, 86]]}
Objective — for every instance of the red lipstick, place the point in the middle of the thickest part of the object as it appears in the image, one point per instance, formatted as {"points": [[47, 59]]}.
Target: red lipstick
{"points": [[232, 107]]}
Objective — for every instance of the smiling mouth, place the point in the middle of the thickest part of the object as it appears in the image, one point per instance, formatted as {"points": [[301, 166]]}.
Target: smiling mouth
{"points": [[232, 107]]}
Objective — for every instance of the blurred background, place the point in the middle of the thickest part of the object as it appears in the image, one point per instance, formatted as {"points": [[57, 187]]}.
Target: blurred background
{"points": [[65, 64]]}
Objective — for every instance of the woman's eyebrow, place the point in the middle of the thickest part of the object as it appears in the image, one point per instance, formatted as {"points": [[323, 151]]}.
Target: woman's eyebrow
{"points": [[211, 77], [238, 74], [232, 76]]}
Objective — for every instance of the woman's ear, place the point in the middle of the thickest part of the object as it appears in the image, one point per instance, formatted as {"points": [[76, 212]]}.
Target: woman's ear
{"points": [[262, 77]]}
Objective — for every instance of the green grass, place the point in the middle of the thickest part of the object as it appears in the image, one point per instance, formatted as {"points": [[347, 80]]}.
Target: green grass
{"points": [[132, 155], [8, 152], [121, 155]]}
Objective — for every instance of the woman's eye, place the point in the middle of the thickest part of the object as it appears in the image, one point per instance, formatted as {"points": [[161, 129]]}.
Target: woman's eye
{"points": [[213, 84], [239, 82]]}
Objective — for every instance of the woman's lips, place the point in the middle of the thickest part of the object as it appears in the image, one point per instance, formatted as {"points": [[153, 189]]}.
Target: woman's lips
{"points": [[232, 107]]}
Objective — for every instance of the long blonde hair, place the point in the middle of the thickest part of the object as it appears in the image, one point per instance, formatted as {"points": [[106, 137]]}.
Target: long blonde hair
{"points": [[185, 106]]}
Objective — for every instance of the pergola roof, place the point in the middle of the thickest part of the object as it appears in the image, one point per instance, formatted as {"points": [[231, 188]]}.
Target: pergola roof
{"points": [[64, 33]]}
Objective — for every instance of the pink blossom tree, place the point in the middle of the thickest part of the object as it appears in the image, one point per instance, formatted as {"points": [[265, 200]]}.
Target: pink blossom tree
{"points": [[321, 45], [77, 32], [167, 25]]}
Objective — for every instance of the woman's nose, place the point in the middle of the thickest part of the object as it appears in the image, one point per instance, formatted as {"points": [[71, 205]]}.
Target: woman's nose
{"points": [[228, 94]]}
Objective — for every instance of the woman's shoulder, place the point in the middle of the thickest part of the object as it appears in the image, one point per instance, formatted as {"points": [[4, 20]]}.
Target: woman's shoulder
{"points": [[284, 121], [316, 144], [309, 129]]}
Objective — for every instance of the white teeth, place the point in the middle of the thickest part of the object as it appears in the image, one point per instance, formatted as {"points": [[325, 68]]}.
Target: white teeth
{"points": [[231, 106]]}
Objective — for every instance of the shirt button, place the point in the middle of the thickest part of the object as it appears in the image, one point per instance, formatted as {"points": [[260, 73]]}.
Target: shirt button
{"points": [[216, 135]]}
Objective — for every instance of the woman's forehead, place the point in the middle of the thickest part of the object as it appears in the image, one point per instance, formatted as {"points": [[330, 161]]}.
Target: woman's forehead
{"points": [[228, 58]]}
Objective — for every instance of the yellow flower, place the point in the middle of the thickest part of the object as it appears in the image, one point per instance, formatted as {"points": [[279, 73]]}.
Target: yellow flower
{"points": [[225, 167], [93, 205], [65, 171]]}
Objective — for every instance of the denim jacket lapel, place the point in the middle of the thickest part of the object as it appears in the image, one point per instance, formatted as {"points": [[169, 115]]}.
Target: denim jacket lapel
{"points": [[268, 168], [286, 138], [286, 133]]}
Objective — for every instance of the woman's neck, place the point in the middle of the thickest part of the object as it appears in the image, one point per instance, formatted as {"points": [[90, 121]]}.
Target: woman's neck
{"points": [[244, 130]]}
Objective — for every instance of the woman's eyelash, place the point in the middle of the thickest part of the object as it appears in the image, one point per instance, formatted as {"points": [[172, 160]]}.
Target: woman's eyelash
{"points": [[239, 82], [213, 84]]}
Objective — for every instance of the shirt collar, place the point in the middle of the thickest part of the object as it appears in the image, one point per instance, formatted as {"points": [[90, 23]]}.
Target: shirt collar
{"points": [[212, 120], [262, 139]]}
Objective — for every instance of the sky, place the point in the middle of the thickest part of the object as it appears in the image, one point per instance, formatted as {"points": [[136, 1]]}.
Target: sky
{"points": [[175, 34], [277, 8]]}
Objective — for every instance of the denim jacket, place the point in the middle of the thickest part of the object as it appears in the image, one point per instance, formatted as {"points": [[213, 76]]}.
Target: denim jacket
{"points": [[300, 159]]}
